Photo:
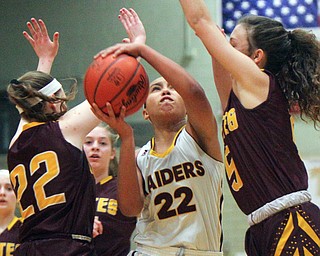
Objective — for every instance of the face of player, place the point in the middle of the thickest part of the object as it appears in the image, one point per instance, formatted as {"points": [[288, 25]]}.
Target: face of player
{"points": [[7, 197], [163, 100], [239, 39], [99, 150]]}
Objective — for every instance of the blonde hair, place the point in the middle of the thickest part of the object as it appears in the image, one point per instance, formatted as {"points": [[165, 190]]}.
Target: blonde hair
{"points": [[113, 165]]}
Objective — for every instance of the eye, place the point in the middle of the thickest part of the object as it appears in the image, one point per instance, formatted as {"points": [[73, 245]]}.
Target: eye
{"points": [[155, 88], [88, 142], [8, 188]]}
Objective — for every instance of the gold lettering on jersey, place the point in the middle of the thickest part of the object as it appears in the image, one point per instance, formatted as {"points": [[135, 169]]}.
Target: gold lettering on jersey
{"points": [[232, 171], [107, 205], [230, 124], [18, 177], [176, 173], [7, 249]]}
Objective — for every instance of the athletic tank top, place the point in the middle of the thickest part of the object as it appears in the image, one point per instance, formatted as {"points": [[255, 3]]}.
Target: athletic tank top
{"points": [[117, 228], [261, 158], [9, 238], [52, 181], [183, 200]]}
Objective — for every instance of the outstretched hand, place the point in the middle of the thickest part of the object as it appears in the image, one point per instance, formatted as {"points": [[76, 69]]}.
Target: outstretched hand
{"points": [[133, 26], [41, 43]]}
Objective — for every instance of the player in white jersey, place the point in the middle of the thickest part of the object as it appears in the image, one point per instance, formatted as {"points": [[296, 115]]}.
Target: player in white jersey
{"points": [[176, 187], [183, 196]]}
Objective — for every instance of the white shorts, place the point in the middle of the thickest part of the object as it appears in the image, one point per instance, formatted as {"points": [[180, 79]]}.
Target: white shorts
{"points": [[143, 250]]}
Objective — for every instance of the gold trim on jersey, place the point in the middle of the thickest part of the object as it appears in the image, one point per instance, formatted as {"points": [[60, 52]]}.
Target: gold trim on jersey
{"points": [[30, 125], [13, 222], [167, 152], [106, 179]]}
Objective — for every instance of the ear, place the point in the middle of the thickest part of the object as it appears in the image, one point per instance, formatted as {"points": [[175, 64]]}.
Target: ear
{"points": [[259, 57], [145, 114], [113, 153], [51, 107]]}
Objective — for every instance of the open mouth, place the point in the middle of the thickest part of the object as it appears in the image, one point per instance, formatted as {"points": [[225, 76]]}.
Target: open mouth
{"points": [[166, 99]]}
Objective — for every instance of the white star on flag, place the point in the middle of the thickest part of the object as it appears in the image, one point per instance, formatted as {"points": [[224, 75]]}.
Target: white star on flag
{"points": [[292, 13]]}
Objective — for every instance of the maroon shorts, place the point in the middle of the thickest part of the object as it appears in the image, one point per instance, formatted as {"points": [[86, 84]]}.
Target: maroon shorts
{"points": [[293, 231], [55, 246]]}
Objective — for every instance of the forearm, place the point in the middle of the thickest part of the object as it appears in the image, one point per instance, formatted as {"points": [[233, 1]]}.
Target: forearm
{"points": [[173, 73], [195, 12], [130, 196], [45, 65]]}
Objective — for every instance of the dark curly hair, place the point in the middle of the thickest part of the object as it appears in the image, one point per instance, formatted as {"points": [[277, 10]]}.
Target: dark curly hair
{"points": [[293, 57]]}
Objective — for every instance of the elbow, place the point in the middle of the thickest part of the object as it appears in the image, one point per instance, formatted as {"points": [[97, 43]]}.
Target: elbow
{"points": [[194, 22], [197, 21]]}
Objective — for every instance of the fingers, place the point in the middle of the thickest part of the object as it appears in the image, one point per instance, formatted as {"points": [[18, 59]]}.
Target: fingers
{"points": [[37, 29], [43, 28], [115, 50], [56, 36], [122, 112], [96, 110], [126, 18], [97, 227], [28, 37], [126, 40], [135, 16]]}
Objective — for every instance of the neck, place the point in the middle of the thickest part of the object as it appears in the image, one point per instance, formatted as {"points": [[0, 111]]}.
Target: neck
{"points": [[5, 221], [100, 176], [163, 138]]}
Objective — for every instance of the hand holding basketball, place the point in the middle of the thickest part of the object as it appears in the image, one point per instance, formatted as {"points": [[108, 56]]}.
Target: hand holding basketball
{"points": [[120, 80]]}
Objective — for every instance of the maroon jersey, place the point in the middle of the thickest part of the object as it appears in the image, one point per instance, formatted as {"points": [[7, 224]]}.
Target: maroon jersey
{"points": [[117, 228], [9, 237], [261, 158], [53, 182]]}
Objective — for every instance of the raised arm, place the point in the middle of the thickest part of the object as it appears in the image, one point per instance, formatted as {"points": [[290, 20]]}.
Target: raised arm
{"points": [[41, 43], [251, 83], [201, 121], [45, 49], [130, 192]]}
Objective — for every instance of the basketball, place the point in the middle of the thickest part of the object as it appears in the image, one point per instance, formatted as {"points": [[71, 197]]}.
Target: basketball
{"points": [[122, 81]]}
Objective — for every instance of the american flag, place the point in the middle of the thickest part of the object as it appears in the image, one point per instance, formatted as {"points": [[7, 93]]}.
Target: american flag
{"points": [[292, 13]]}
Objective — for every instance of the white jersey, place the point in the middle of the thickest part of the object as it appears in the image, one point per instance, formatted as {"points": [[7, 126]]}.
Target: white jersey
{"points": [[183, 201]]}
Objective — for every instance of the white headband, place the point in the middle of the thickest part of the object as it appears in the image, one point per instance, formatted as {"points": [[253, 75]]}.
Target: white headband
{"points": [[51, 87], [47, 90]]}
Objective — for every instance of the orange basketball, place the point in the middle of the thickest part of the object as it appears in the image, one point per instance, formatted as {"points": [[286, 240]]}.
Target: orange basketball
{"points": [[120, 81]]}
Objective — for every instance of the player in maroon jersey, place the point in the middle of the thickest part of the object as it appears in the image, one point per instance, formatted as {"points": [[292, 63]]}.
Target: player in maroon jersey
{"points": [[263, 72], [9, 223], [114, 239], [48, 168]]}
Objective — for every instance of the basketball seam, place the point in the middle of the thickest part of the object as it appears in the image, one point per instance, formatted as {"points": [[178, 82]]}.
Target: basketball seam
{"points": [[105, 71], [128, 82]]}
